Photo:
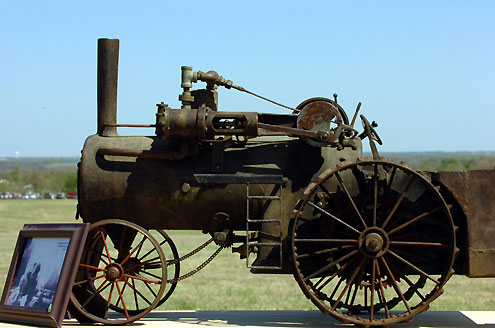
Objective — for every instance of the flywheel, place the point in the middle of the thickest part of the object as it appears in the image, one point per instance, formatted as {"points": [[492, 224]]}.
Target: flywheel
{"points": [[370, 237]]}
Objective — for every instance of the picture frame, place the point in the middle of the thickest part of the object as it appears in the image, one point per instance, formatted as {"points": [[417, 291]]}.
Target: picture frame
{"points": [[43, 267]]}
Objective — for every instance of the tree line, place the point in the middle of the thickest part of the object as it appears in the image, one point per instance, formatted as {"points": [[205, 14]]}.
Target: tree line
{"points": [[21, 180]]}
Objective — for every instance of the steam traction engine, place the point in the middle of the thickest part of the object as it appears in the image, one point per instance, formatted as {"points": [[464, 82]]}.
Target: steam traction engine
{"points": [[369, 241]]}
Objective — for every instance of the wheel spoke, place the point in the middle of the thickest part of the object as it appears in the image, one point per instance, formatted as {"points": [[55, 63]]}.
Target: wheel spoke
{"points": [[359, 280], [365, 296], [134, 250], [137, 292], [122, 300], [99, 254], [91, 267], [417, 218], [322, 187], [82, 282], [336, 288], [349, 290], [399, 201], [142, 279], [123, 290], [151, 274], [382, 290], [342, 268], [325, 251], [149, 288], [329, 240], [372, 289], [424, 259], [349, 282], [392, 176], [133, 287], [106, 246], [413, 267], [332, 216], [149, 264], [417, 233], [416, 243], [394, 284], [415, 288], [144, 256], [139, 250], [337, 175], [153, 263], [108, 302], [100, 288], [328, 266]]}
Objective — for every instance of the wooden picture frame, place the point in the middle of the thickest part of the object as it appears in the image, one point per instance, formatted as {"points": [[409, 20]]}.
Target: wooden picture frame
{"points": [[41, 273]]}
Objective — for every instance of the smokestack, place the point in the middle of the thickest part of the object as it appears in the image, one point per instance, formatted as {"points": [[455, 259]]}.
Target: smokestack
{"points": [[108, 67]]}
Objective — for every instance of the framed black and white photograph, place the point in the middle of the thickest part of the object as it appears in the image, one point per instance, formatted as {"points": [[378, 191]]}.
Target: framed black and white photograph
{"points": [[41, 273]]}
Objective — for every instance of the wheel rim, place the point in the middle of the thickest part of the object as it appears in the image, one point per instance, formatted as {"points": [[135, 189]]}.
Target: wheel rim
{"points": [[370, 237], [122, 268]]}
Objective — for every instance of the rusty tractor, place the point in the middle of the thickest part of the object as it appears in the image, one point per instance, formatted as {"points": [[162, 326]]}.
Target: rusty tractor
{"points": [[369, 241]]}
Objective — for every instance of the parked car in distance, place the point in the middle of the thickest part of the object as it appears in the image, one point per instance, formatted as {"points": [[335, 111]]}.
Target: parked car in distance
{"points": [[48, 195], [72, 195], [60, 195], [29, 195], [5, 195]]}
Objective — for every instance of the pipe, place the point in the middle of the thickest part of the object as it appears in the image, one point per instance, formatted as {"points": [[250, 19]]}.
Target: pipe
{"points": [[160, 155], [108, 66]]}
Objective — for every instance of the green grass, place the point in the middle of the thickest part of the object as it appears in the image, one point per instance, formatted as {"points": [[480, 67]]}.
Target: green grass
{"points": [[225, 284]]}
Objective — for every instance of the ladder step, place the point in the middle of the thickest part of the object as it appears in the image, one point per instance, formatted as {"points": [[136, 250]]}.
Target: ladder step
{"points": [[238, 178], [265, 267], [265, 244], [263, 221], [265, 197]]}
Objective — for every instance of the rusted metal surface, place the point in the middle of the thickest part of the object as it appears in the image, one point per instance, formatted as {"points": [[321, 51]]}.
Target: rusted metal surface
{"points": [[113, 184], [475, 193], [318, 115], [108, 60]]}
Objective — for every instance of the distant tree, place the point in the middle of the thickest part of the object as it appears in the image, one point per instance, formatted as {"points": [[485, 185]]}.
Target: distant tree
{"points": [[15, 175], [449, 164], [469, 163], [35, 178], [70, 184]]}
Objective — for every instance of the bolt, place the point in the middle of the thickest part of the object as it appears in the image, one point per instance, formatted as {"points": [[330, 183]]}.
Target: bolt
{"points": [[186, 187], [373, 242]]}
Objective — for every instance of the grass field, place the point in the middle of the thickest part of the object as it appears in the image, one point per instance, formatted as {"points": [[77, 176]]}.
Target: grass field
{"points": [[225, 284]]}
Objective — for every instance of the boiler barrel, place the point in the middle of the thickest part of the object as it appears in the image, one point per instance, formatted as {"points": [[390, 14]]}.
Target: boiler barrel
{"points": [[164, 194]]}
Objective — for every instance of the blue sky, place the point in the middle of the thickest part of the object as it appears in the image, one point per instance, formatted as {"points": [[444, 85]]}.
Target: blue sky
{"points": [[423, 70]]}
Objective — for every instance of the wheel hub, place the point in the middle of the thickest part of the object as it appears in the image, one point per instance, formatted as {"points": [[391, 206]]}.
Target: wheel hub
{"points": [[114, 272], [373, 242]]}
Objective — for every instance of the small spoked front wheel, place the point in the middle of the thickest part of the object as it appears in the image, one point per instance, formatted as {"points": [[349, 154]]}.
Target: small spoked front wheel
{"points": [[122, 274]]}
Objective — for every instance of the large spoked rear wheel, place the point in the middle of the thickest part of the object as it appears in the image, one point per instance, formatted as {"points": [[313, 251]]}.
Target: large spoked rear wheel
{"points": [[122, 274], [371, 237]]}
